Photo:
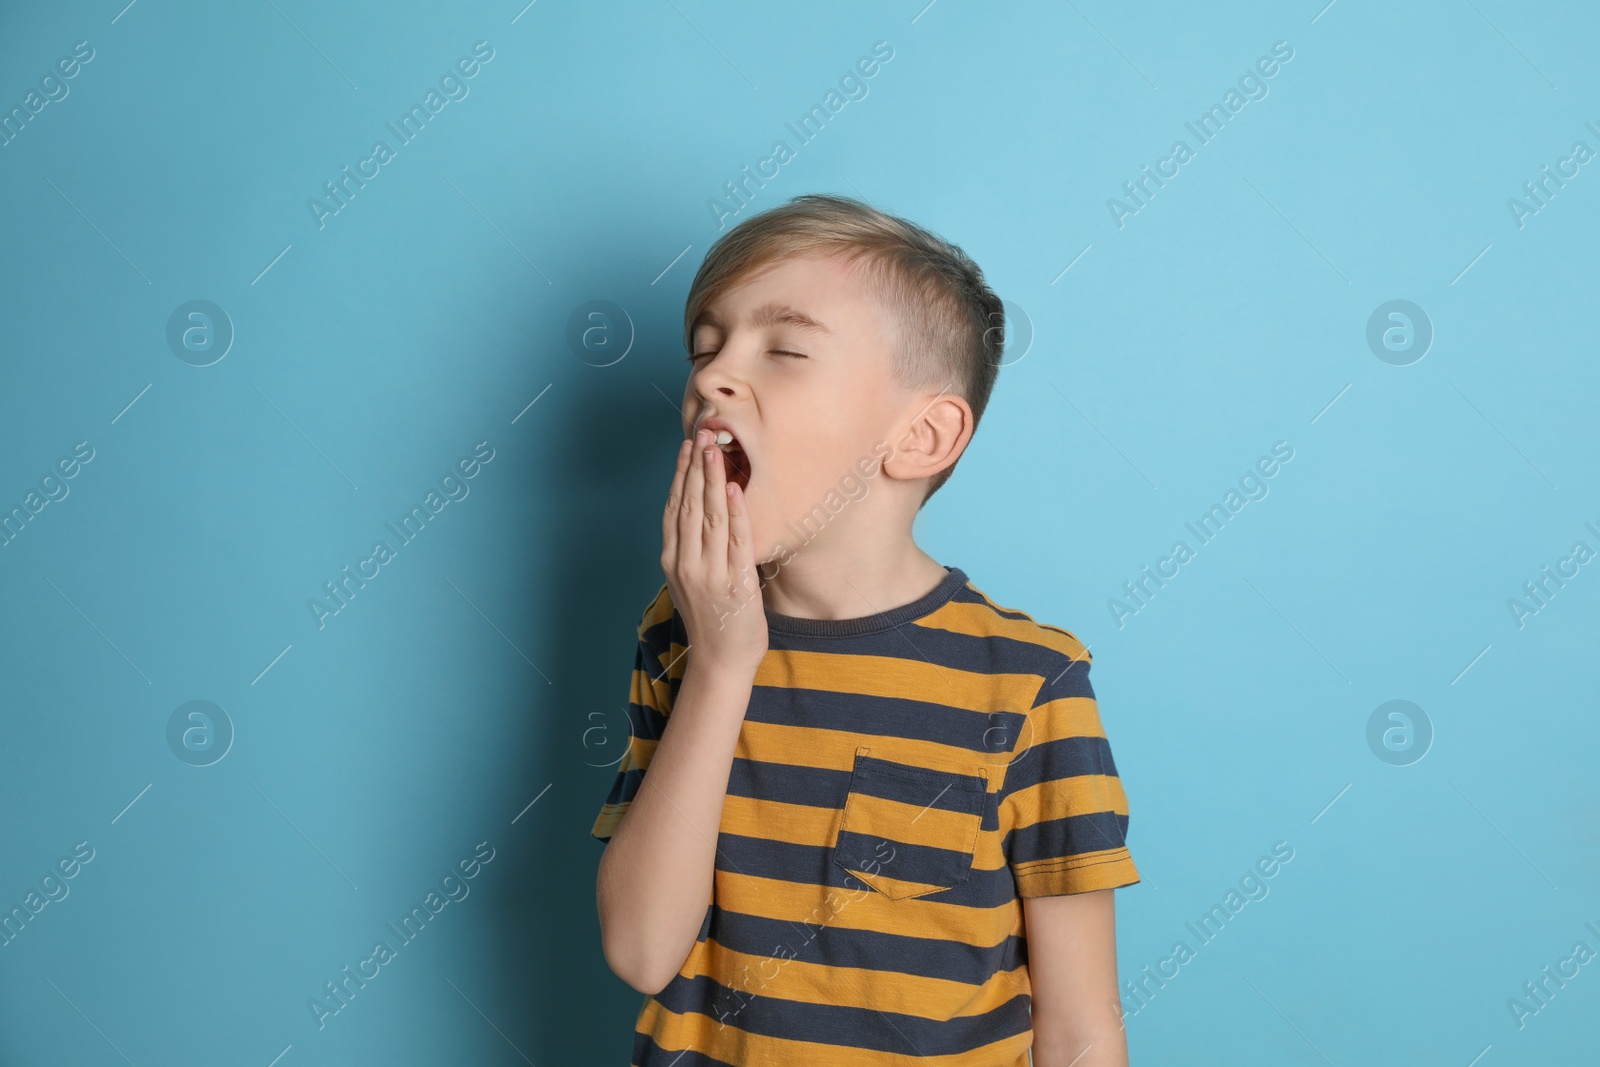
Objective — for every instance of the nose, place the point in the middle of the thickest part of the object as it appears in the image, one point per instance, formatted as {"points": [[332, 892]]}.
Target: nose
{"points": [[716, 376]]}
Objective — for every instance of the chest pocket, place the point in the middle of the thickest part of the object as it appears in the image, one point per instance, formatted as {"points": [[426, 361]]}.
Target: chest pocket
{"points": [[910, 831]]}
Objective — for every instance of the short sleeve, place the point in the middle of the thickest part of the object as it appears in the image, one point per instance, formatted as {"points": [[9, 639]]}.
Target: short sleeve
{"points": [[1062, 809], [657, 670]]}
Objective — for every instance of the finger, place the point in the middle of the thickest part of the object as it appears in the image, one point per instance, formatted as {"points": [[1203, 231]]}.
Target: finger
{"points": [[669, 517], [692, 506], [741, 543], [714, 541]]}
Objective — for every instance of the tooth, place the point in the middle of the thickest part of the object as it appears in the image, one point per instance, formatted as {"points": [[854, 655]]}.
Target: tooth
{"points": [[723, 437]]}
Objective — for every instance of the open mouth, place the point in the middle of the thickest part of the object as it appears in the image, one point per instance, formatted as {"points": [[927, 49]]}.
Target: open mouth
{"points": [[738, 464]]}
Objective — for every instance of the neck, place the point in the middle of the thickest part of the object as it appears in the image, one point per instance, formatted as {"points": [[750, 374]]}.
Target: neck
{"points": [[824, 581]]}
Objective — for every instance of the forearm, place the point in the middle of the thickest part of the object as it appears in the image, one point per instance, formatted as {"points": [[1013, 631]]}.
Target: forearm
{"points": [[655, 877]]}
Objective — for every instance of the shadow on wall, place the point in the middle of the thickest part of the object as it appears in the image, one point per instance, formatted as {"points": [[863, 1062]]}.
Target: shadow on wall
{"points": [[601, 531]]}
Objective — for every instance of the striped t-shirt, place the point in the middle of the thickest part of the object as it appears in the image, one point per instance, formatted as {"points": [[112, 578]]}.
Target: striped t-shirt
{"points": [[901, 780]]}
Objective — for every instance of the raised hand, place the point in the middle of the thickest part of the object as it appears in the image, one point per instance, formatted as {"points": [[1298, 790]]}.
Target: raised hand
{"points": [[708, 556]]}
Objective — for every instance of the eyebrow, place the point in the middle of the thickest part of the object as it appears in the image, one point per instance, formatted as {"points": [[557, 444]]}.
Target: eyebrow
{"points": [[771, 313]]}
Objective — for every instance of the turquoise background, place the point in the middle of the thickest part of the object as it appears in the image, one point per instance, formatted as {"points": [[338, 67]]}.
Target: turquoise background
{"points": [[485, 668]]}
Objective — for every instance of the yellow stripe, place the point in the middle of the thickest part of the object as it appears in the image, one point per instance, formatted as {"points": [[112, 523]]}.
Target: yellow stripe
{"points": [[816, 827], [910, 678], [802, 824], [821, 747], [653, 691], [1061, 718], [610, 817], [700, 1032], [863, 909], [659, 611], [787, 977], [1082, 795], [915, 824], [1026, 628], [980, 620]]}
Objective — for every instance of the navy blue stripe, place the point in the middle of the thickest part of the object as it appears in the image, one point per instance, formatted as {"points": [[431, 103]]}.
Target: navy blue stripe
{"points": [[645, 721], [1050, 761], [818, 787], [902, 860], [1067, 678], [1069, 836], [657, 641], [885, 716], [812, 866], [821, 787], [817, 940], [646, 1053], [980, 654], [923, 786]]}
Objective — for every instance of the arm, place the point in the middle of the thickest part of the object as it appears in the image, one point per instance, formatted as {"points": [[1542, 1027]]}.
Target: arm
{"points": [[1072, 963], [658, 871], [1067, 816]]}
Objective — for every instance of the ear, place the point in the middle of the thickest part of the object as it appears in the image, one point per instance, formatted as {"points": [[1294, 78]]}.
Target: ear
{"points": [[932, 439]]}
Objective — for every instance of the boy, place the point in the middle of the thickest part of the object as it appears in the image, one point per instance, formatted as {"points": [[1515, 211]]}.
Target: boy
{"points": [[881, 820]]}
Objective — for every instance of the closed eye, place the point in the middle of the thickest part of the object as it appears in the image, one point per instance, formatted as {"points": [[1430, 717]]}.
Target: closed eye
{"points": [[775, 351]]}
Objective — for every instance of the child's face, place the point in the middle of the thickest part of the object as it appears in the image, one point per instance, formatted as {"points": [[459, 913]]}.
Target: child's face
{"points": [[807, 404]]}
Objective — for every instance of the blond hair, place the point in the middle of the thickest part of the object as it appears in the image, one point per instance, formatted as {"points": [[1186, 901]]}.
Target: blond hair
{"points": [[951, 324]]}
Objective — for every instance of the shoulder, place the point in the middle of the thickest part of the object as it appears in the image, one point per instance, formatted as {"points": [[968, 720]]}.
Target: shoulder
{"points": [[1015, 624], [663, 637], [660, 662], [1046, 662], [659, 610]]}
